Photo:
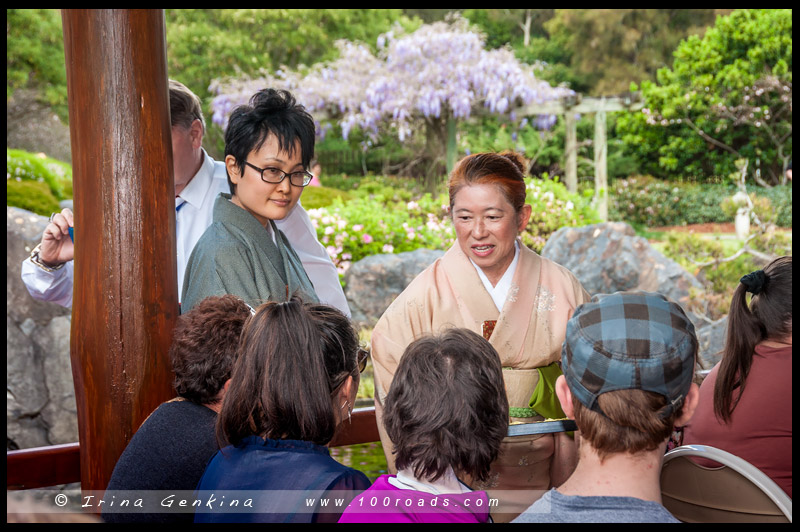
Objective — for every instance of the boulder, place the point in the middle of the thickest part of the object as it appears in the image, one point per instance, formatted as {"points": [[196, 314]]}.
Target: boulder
{"points": [[609, 257], [712, 341], [374, 282], [40, 398]]}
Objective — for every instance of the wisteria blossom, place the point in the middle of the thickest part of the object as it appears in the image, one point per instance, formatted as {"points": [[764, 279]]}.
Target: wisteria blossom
{"points": [[441, 70]]}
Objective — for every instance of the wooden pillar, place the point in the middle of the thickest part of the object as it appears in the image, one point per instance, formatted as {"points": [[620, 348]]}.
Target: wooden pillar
{"points": [[125, 292], [451, 145], [571, 150], [601, 164]]}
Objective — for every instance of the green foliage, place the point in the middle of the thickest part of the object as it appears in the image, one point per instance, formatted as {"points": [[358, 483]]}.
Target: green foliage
{"points": [[554, 207], [35, 55], [762, 207], [206, 44], [316, 197], [367, 226], [25, 166], [607, 49], [720, 280], [34, 196], [650, 202], [731, 88]]}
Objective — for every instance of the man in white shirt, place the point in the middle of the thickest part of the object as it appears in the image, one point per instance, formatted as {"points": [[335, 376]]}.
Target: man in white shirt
{"points": [[48, 272]]}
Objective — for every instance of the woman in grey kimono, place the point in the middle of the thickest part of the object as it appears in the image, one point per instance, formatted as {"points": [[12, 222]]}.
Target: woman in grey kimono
{"points": [[268, 145]]}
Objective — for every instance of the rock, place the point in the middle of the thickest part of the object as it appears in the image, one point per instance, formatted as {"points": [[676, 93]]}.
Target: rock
{"points": [[374, 282], [712, 341], [40, 398], [609, 257], [33, 127], [23, 231]]}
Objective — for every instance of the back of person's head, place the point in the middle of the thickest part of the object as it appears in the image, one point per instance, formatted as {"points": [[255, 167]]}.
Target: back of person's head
{"points": [[768, 317], [184, 106], [506, 170], [269, 112], [204, 347], [447, 406], [629, 360], [294, 359]]}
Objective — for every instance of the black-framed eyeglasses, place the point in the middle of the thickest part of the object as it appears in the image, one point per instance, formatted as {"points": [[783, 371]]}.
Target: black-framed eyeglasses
{"points": [[363, 356], [273, 175]]}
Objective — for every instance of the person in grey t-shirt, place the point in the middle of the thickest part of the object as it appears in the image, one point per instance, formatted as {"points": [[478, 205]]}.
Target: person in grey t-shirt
{"points": [[628, 363]]}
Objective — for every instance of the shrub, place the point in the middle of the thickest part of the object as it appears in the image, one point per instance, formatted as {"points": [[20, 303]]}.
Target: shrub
{"points": [[25, 166], [34, 196], [554, 207], [646, 201], [719, 280], [316, 197], [374, 223]]}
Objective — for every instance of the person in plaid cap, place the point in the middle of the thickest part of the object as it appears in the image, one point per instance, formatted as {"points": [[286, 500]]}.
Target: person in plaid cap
{"points": [[628, 362]]}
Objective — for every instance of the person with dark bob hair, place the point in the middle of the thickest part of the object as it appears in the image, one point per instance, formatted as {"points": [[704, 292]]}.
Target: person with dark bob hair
{"points": [[446, 414], [294, 383], [170, 450], [746, 399], [269, 144]]}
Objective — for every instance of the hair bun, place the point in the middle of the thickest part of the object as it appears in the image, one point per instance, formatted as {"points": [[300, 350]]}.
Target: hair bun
{"points": [[755, 281], [515, 158]]}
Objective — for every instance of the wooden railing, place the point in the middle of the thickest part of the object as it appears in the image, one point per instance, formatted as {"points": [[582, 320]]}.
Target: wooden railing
{"points": [[60, 464]]}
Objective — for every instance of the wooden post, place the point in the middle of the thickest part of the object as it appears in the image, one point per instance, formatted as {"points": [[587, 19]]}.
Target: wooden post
{"points": [[601, 164], [451, 144], [125, 292], [571, 151]]}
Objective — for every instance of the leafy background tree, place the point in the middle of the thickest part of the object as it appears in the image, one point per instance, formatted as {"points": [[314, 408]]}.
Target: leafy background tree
{"points": [[35, 56], [418, 83], [593, 51], [702, 114]]}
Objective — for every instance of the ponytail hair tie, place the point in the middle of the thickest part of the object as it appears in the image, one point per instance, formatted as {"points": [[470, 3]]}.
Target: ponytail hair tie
{"points": [[755, 282]]}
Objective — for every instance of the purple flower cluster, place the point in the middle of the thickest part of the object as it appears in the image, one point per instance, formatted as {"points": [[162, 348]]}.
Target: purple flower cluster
{"points": [[441, 70]]}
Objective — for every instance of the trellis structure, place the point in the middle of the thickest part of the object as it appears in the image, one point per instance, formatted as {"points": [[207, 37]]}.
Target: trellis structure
{"points": [[572, 106]]}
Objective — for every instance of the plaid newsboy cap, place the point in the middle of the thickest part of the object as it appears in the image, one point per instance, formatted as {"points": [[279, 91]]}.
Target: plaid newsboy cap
{"points": [[629, 340]]}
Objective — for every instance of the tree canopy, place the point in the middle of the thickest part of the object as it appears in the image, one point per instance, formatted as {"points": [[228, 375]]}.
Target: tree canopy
{"points": [[727, 96], [416, 82]]}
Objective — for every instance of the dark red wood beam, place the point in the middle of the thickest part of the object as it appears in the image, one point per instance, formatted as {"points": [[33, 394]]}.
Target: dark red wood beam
{"points": [[125, 292], [60, 464]]}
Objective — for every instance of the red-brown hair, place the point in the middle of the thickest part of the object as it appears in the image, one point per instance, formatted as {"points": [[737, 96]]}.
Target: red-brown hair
{"points": [[506, 170]]}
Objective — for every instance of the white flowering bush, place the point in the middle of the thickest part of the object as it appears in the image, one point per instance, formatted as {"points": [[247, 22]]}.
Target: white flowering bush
{"points": [[554, 207], [370, 225]]}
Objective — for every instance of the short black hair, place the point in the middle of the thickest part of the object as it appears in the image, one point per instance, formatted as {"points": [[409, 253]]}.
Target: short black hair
{"points": [[447, 406], [269, 112]]}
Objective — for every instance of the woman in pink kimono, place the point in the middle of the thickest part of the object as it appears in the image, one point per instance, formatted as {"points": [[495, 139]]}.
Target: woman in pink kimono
{"points": [[492, 284]]}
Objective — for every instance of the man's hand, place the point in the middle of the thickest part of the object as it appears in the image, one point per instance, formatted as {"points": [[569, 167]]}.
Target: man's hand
{"points": [[57, 247]]}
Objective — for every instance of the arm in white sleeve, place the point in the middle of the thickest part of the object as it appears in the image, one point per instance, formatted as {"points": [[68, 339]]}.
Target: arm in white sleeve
{"points": [[54, 287], [318, 265]]}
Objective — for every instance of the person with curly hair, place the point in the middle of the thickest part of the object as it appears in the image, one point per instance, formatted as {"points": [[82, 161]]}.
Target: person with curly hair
{"points": [[170, 450], [446, 413]]}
